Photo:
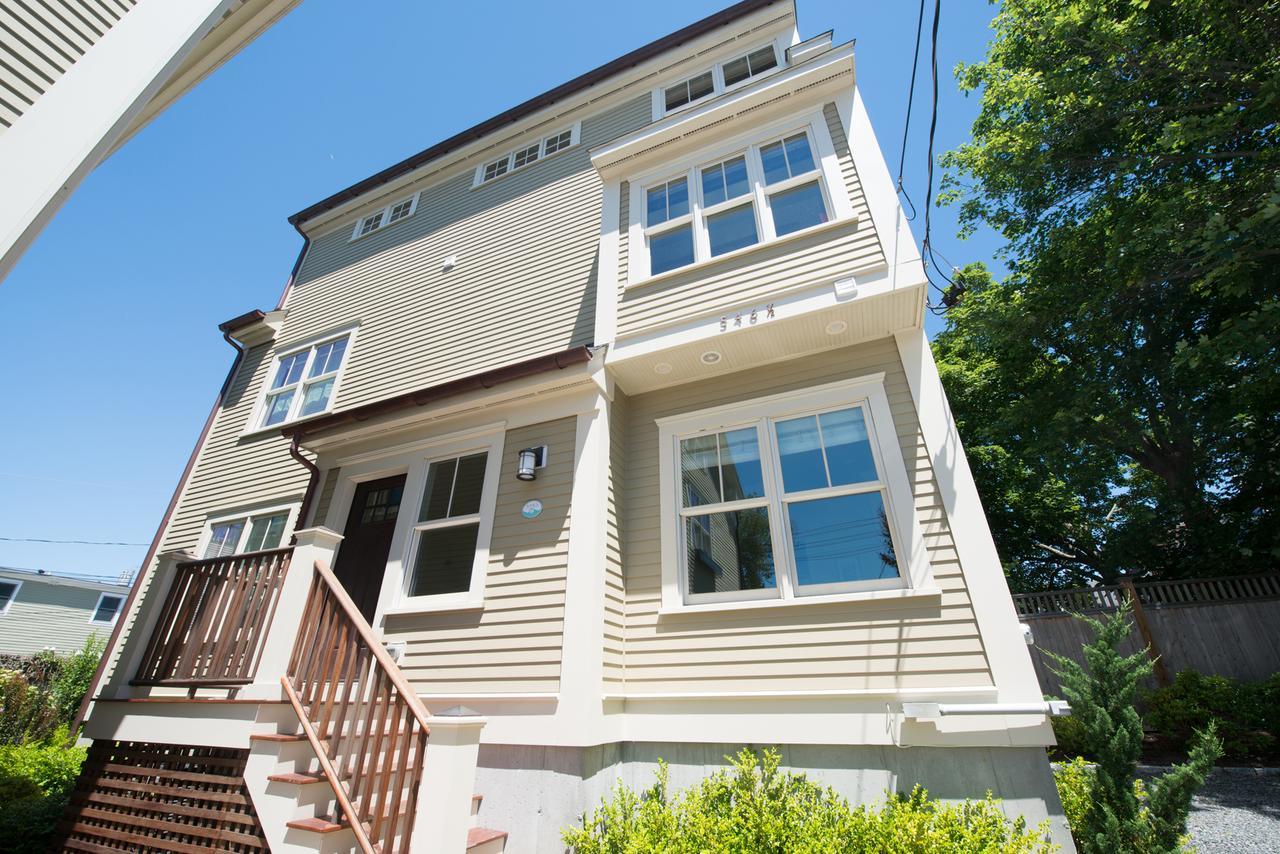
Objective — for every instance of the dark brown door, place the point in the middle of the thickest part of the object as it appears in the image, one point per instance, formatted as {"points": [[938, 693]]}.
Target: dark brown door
{"points": [[366, 541]]}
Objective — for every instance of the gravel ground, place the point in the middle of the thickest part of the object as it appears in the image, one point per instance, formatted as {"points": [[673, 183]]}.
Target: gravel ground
{"points": [[1236, 812]]}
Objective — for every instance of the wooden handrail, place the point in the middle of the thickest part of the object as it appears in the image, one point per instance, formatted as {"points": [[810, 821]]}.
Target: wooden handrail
{"points": [[375, 646], [330, 773], [213, 622], [364, 721]]}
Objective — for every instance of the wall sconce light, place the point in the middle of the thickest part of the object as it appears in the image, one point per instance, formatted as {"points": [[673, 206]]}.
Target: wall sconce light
{"points": [[531, 459]]}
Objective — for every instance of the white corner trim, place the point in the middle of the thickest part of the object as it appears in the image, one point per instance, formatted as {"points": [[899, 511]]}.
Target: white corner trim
{"points": [[1007, 653], [606, 322]]}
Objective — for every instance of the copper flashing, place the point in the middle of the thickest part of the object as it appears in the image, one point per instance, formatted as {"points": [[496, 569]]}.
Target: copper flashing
{"points": [[432, 394], [551, 96]]}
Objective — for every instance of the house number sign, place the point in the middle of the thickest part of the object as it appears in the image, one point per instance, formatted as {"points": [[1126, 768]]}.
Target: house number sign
{"points": [[531, 509], [746, 318]]}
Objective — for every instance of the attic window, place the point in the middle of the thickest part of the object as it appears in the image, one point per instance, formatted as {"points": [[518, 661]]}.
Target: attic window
{"points": [[719, 78], [108, 608], [526, 155], [737, 70], [392, 213]]}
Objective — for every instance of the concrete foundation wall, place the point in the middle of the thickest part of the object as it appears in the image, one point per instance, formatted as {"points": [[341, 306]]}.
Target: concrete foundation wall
{"points": [[532, 792]]}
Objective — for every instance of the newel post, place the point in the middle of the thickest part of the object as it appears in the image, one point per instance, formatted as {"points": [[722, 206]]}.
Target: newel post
{"points": [[312, 544], [152, 601], [443, 816]]}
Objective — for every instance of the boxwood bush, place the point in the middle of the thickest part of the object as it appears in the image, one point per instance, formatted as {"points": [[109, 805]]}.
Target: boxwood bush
{"points": [[754, 806]]}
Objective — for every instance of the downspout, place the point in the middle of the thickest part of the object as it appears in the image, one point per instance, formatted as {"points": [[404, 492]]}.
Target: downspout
{"points": [[312, 482], [155, 541]]}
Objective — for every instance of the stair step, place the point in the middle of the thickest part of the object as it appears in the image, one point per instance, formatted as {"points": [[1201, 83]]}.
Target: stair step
{"points": [[482, 836], [315, 825], [297, 779], [280, 737]]}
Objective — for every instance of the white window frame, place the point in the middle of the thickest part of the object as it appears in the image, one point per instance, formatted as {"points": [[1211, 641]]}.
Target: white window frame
{"points": [[309, 345], [718, 86], [384, 214], [94, 613], [575, 138], [827, 172], [248, 514], [915, 574], [17, 586], [414, 461]]}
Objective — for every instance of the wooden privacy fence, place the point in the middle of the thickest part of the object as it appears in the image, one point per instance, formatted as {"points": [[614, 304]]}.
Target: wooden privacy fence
{"points": [[1218, 626], [214, 620]]}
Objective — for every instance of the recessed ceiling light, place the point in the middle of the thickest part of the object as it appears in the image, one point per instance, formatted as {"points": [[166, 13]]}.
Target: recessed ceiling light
{"points": [[835, 327], [662, 368], [710, 357]]}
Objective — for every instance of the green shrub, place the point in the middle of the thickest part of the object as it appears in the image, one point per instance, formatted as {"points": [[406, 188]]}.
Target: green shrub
{"points": [[75, 672], [1070, 734], [25, 711], [36, 779], [1248, 713], [757, 808], [1119, 817]]}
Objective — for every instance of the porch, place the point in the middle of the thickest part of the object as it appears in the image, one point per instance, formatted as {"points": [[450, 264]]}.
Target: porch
{"points": [[252, 700]]}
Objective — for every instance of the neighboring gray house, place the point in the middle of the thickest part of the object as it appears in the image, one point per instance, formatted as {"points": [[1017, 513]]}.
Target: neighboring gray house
{"points": [[39, 609]]}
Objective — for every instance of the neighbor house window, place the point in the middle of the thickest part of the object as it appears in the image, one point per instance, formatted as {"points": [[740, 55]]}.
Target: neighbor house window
{"points": [[526, 155], [765, 191], [719, 78], [392, 213], [8, 592], [302, 383], [248, 533], [788, 497], [107, 609]]}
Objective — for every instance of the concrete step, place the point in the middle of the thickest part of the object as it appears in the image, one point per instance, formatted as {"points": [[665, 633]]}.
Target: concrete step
{"points": [[481, 840]]}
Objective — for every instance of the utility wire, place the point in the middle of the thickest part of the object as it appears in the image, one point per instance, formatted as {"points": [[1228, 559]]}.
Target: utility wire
{"points": [[68, 542], [906, 127]]}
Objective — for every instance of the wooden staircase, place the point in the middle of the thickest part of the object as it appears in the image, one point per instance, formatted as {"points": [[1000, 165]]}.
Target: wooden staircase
{"points": [[339, 756]]}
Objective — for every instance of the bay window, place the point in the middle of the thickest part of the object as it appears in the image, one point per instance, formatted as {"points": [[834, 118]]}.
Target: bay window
{"points": [[799, 495], [762, 190]]}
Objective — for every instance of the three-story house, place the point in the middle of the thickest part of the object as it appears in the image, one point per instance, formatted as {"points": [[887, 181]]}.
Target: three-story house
{"points": [[602, 432]]}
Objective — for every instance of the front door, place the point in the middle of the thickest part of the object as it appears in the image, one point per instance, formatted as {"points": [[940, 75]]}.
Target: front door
{"points": [[366, 541]]}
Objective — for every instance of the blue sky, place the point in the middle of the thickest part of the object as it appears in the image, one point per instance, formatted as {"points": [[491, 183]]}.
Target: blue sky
{"points": [[110, 349]]}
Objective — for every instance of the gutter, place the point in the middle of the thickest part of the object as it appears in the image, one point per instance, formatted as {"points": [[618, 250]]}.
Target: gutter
{"points": [[433, 394]]}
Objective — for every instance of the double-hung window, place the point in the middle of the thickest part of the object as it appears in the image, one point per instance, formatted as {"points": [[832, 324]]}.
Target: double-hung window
{"points": [[302, 382], [766, 190], [794, 496], [251, 532], [107, 609]]}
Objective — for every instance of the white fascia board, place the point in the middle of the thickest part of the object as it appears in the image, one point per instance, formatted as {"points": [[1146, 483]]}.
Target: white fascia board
{"points": [[620, 153]]}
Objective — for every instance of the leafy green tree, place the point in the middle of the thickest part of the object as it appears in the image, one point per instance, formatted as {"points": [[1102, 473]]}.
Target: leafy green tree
{"points": [[1120, 388], [1119, 816]]}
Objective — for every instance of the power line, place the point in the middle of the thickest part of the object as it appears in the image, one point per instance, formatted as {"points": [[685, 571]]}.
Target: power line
{"points": [[906, 127], [68, 542]]}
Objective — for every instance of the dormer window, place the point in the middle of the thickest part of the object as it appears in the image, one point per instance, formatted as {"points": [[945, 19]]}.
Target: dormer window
{"points": [[392, 213], [718, 79], [526, 155]]}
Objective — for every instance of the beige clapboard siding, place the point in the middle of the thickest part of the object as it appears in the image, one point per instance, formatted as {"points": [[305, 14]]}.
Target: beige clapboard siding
{"points": [[615, 586], [871, 646], [325, 497], [514, 644], [759, 276], [41, 39], [524, 283]]}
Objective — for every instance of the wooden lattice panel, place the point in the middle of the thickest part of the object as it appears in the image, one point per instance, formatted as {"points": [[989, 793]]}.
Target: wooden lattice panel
{"points": [[140, 797]]}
